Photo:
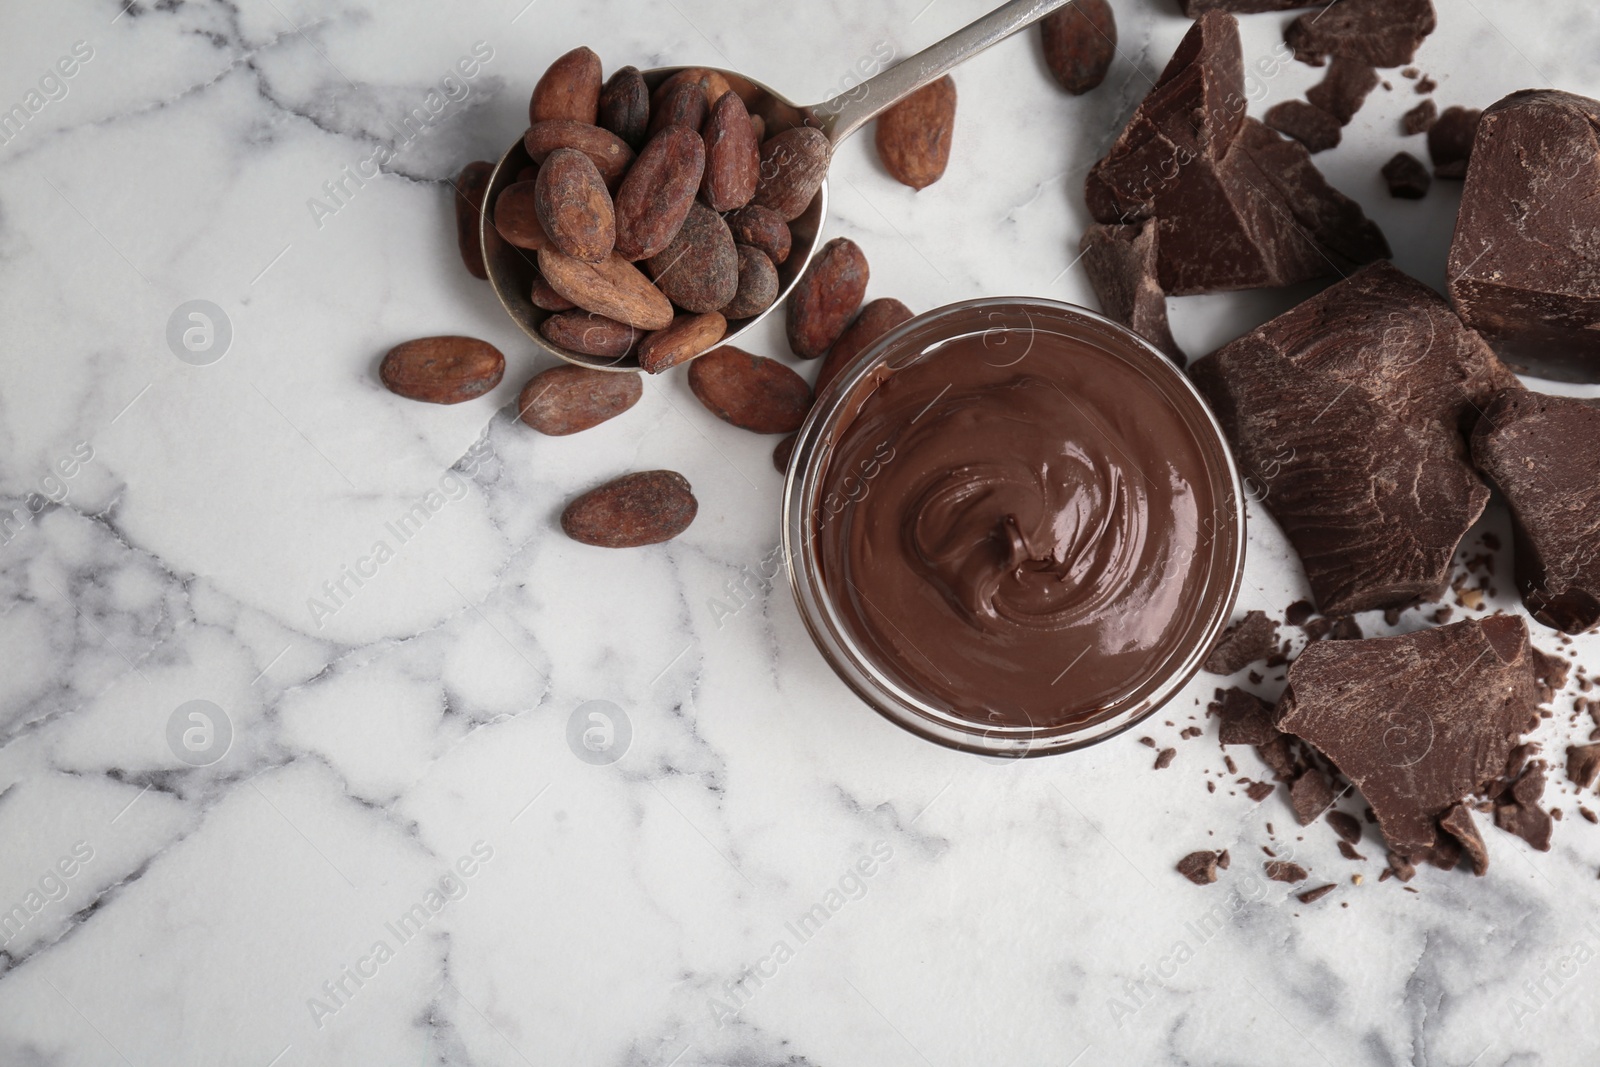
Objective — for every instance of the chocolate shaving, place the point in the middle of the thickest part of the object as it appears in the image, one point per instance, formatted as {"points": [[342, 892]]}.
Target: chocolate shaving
{"points": [[1346, 412], [1348, 851], [1527, 444], [1311, 896], [1417, 721]]}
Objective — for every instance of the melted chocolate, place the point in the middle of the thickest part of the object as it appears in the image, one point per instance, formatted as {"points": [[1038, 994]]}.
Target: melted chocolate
{"points": [[1019, 531]]}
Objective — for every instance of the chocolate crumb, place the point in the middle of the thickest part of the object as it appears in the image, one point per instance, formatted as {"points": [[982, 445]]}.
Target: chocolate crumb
{"points": [[1442, 616], [1259, 791], [1306, 123], [1227, 761], [1345, 629], [1391, 616], [1402, 866], [1419, 119], [1252, 638], [1345, 825], [1200, 867], [1211, 787], [1348, 851], [1410, 72], [1583, 764], [1450, 141], [1427, 85], [1406, 177], [1284, 871], [1311, 896], [1587, 814], [1298, 612], [1222, 860], [1148, 741], [1164, 758]]}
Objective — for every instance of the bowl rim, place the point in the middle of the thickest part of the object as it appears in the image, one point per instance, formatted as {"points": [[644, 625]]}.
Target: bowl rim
{"points": [[884, 694]]}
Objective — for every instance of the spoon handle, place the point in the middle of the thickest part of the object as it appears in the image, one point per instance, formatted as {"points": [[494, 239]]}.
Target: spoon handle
{"points": [[854, 108]]}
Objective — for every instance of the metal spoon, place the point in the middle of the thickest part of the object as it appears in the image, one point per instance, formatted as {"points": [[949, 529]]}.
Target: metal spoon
{"points": [[511, 269]]}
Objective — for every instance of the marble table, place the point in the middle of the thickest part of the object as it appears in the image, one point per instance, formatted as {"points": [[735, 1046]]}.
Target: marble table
{"points": [[272, 796]]}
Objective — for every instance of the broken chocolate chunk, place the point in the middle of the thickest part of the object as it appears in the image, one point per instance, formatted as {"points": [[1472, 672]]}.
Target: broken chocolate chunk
{"points": [[1311, 126], [1283, 871], [1343, 90], [1121, 261], [1346, 413], [1384, 33], [1311, 896], [1201, 867], [1539, 451], [1237, 206], [1417, 721], [1259, 791], [1345, 825], [1298, 612], [1522, 268], [1164, 758], [1406, 177], [1419, 119], [1246, 718], [1252, 638], [1277, 755], [1450, 141], [1457, 822], [1518, 811], [1402, 867], [1310, 795], [1583, 764]]}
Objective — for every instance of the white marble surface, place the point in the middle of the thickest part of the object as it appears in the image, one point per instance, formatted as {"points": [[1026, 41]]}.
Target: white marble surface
{"points": [[424, 724]]}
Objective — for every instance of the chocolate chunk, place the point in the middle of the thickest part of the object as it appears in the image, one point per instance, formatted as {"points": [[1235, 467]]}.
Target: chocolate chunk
{"points": [[1407, 178], [1311, 896], [1450, 141], [1550, 671], [1417, 721], [1196, 8], [1342, 90], [1237, 206], [1201, 867], [1401, 866], [1310, 795], [1427, 85], [1246, 718], [1277, 755], [1457, 822], [1419, 119], [1164, 758], [1539, 451], [1583, 764], [1522, 268], [1384, 33], [1259, 791], [1283, 871], [1252, 638], [1298, 612], [1311, 126], [1345, 629], [1349, 852], [1345, 825], [1345, 412], [1519, 813], [1121, 261]]}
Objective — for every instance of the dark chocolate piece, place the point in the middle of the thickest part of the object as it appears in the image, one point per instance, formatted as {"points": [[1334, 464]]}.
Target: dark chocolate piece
{"points": [[1457, 822], [1522, 268], [1419, 119], [1311, 126], [1311, 896], [1246, 719], [1348, 851], [1310, 795], [1550, 671], [1346, 411], [1345, 825], [1298, 612], [1196, 8], [1283, 871], [1259, 791], [1417, 721], [1164, 758], [1277, 755], [1343, 90], [1345, 628], [1518, 812], [1201, 867], [1407, 178], [1450, 141], [1427, 85], [1237, 206], [1122, 265], [1384, 33], [1401, 866], [1252, 638], [1583, 764], [1541, 452]]}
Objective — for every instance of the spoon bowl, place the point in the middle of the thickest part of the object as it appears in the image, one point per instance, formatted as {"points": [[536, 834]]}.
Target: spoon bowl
{"points": [[511, 269]]}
